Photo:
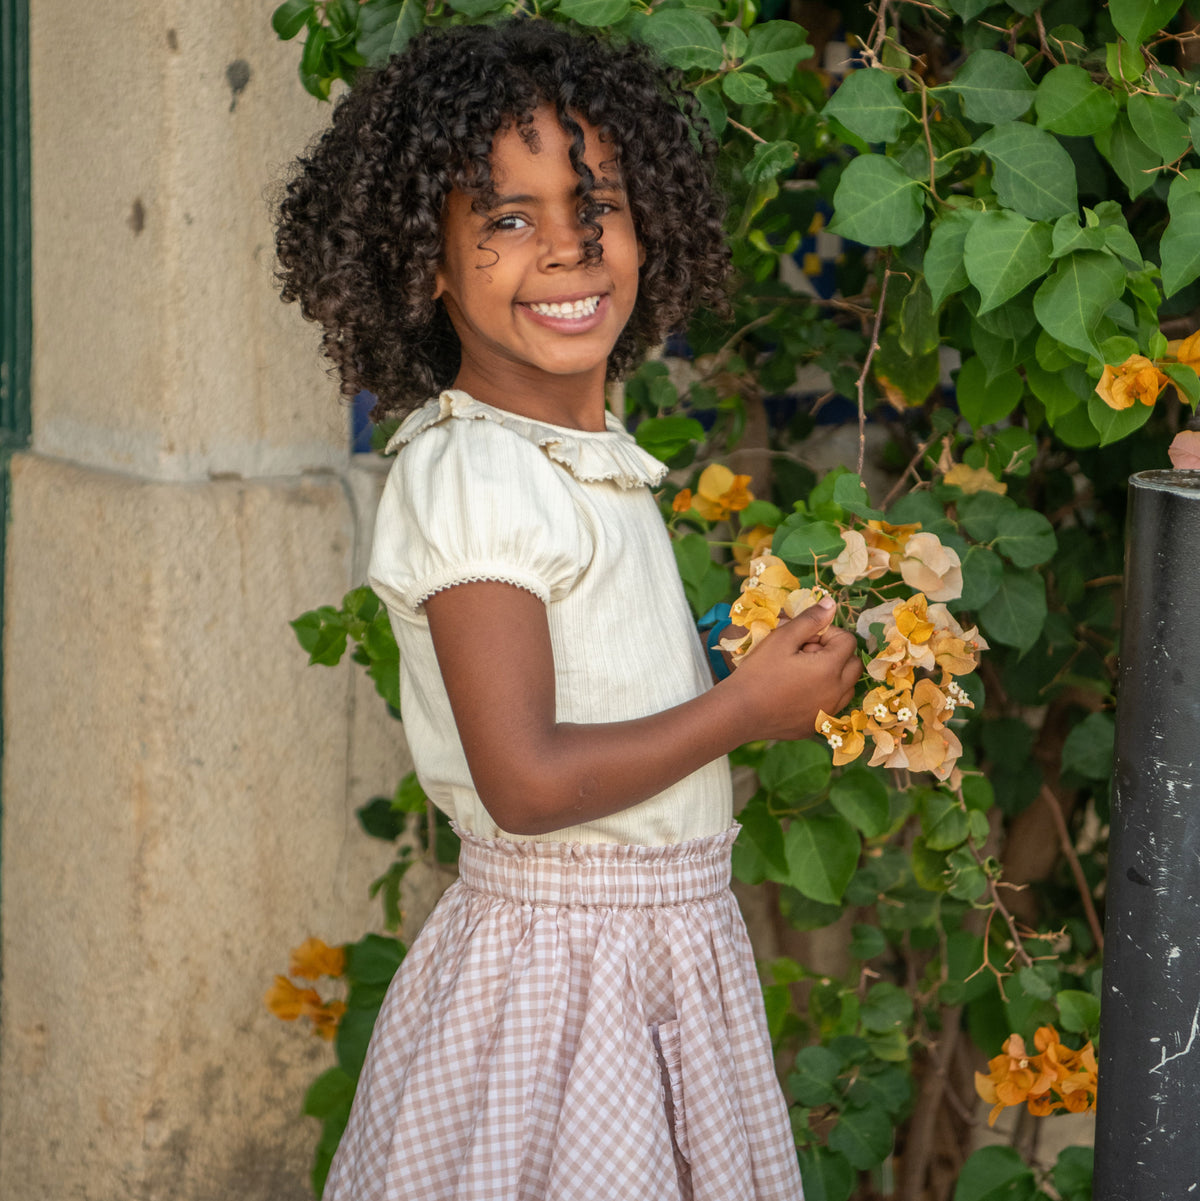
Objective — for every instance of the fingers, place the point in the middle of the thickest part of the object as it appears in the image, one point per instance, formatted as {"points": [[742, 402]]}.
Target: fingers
{"points": [[809, 624]]}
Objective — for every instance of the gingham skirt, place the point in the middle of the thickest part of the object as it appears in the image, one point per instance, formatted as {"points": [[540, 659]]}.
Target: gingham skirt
{"points": [[574, 1023]]}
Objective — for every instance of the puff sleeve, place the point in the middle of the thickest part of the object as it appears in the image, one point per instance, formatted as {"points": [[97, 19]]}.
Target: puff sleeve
{"points": [[472, 500]]}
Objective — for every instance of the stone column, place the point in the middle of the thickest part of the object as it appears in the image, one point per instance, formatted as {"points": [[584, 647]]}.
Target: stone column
{"points": [[178, 784]]}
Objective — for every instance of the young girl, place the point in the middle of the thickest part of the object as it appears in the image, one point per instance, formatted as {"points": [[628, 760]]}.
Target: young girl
{"points": [[502, 219]]}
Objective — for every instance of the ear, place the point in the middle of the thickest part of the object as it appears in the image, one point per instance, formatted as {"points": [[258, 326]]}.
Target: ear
{"points": [[641, 254], [439, 282]]}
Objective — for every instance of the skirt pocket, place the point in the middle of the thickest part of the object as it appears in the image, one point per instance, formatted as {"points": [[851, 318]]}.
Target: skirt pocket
{"points": [[667, 1050]]}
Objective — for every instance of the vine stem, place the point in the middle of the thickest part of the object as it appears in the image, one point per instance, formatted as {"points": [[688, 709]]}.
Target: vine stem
{"points": [[1068, 847], [909, 470], [746, 130], [929, 141], [862, 375]]}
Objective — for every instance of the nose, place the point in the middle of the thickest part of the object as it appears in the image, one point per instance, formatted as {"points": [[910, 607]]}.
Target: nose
{"points": [[563, 236]]}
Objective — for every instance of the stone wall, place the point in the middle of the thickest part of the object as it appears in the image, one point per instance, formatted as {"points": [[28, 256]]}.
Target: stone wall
{"points": [[178, 785]]}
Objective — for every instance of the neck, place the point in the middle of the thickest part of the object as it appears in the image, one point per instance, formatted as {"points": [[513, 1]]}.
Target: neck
{"points": [[574, 401]]}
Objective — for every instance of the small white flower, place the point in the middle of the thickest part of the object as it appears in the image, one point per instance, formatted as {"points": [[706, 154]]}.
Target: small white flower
{"points": [[835, 741], [826, 727], [880, 711], [903, 713]]}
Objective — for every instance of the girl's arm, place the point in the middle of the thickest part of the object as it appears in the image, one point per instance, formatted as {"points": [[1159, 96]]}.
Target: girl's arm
{"points": [[535, 774]]}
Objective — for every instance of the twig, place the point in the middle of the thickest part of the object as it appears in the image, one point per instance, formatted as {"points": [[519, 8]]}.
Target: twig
{"points": [[1041, 28], [910, 469], [862, 376], [1085, 893], [929, 142], [746, 130]]}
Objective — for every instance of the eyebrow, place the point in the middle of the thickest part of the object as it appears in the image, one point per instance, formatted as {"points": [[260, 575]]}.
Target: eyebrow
{"points": [[601, 185]]}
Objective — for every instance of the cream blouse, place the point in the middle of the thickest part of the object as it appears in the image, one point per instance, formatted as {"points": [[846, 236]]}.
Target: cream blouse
{"points": [[478, 493]]}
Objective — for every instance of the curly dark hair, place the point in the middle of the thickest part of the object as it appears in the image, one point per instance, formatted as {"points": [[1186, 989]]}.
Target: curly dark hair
{"points": [[359, 228]]}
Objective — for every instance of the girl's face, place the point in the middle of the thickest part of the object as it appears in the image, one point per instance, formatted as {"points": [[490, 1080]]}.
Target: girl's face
{"points": [[529, 310]]}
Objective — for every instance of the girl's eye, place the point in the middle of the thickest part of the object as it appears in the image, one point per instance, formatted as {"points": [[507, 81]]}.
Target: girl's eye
{"points": [[603, 208], [510, 221]]}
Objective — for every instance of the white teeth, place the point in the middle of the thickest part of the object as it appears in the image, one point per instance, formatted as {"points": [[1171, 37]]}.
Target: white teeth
{"points": [[573, 309]]}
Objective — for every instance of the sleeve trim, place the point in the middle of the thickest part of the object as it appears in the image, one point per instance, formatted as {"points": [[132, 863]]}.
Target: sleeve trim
{"points": [[471, 573]]}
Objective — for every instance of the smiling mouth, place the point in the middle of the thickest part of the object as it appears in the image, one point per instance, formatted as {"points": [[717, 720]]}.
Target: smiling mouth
{"points": [[571, 310]]}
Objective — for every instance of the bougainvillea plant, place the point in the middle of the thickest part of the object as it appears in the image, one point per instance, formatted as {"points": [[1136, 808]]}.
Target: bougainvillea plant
{"points": [[968, 237]]}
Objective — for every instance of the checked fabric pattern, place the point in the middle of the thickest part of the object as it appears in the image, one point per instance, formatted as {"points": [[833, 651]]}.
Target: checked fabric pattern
{"points": [[574, 1023]]}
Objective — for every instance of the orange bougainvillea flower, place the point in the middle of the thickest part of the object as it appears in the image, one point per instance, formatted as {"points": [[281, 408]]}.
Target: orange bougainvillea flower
{"points": [[325, 1019], [889, 538], [719, 493], [973, 479], [1056, 1078], [313, 959], [1135, 379], [858, 561], [1187, 351], [750, 544], [844, 735], [931, 568], [682, 501], [288, 1002]]}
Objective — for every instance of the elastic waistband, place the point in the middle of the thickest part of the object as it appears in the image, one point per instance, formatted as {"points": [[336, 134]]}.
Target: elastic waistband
{"points": [[603, 874]]}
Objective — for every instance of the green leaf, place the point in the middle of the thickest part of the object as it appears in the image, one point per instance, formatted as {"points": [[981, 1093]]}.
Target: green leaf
{"points": [[919, 334], [682, 38], [995, 1174], [822, 854], [1180, 245], [795, 772], [775, 49], [1080, 1011], [1003, 253], [1186, 381], [1072, 301], [982, 402], [968, 10], [802, 543], [980, 514], [769, 160], [380, 820], [1088, 748], [386, 29], [1016, 614], [1155, 123], [1115, 424], [744, 89], [1033, 172], [826, 1176], [1033, 983], [1059, 391], [1069, 103], [1073, 1173], [1025, 538], [862, 799], [885, 1006], [1137, 20], [876, 203], [330, 1092], [594, 13], [373, 959], [762, 828], [982, 572], [866, 942], [945, 271], [1133, 161], [993, 87], [812, 1078], [851, 493], [943, 820], [1069, 236], [1124, 61], [863, 1136], [291, 17], [869, 103], [760, 512], [665, 437]]}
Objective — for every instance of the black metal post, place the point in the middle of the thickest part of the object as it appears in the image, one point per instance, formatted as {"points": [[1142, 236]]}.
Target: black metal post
{"points": [[1147, 1145]]}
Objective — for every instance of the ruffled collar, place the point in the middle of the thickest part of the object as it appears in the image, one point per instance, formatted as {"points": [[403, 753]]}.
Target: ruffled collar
{"points": [[590, 456]]}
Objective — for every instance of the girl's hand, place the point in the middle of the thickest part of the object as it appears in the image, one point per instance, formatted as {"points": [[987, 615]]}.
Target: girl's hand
{"points": [[802, 667]]}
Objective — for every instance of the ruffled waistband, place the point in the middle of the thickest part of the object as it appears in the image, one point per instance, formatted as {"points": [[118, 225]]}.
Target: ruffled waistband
{"points": [[607, 874]]}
